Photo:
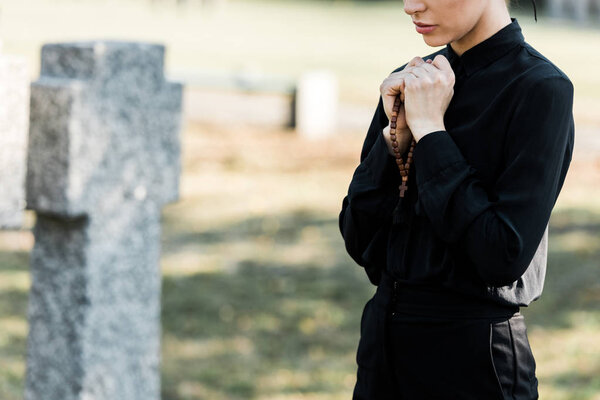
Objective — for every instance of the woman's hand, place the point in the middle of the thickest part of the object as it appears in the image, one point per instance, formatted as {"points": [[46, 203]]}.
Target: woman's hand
{"points": [[428, 90], [390, 88]]}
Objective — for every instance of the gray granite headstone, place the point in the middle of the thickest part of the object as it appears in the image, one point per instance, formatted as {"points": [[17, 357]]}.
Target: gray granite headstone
{"points": [[14, 111], [104, 157]]}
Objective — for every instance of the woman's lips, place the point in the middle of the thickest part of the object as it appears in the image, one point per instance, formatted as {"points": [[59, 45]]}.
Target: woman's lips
{"points": [[421, 28]]}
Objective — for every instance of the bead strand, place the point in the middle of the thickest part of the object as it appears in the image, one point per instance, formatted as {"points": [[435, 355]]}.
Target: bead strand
{"points": [[402, 166]]}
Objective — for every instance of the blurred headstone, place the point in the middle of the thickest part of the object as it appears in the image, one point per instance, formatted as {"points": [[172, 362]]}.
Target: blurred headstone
{"points": [[578, 10], [104, 157], [14, 122], [252, 96], [317, 104]]}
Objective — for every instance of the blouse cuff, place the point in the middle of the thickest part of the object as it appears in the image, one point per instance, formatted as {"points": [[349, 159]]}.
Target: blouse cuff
{"points": [[380, 163], [434, 153]]}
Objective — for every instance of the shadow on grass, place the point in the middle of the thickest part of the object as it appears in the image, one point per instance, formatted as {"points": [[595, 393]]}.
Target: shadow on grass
{"points": [[262, 328], [573, 273], [282, 228], [13, 302], [265, 329], [263, 321], [233, 334], [13, 316], [14, 261]]}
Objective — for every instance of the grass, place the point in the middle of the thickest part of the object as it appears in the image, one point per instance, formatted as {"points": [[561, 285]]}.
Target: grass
{"points": [[273, 302], [260, 299]]}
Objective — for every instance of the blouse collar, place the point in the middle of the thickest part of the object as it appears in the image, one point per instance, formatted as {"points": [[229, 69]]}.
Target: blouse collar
{"points": [[487, 51]]}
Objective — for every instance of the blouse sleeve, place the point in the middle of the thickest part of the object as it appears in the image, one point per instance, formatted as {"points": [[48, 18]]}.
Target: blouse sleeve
{"points": [[365, 218], [500, 228]]}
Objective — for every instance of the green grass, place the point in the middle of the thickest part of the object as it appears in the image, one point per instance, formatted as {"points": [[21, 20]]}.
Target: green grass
{"points": [[260, 299]]}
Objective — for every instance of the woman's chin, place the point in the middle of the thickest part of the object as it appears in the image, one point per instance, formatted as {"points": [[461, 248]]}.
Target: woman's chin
{"points": [[434, 41]]}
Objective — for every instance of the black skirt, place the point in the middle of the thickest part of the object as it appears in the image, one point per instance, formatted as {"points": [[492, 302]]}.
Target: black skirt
{"points": [[420, 345]]}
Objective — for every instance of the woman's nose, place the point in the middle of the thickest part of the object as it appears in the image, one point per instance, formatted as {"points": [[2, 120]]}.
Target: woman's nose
{"points": [[414, 6]]}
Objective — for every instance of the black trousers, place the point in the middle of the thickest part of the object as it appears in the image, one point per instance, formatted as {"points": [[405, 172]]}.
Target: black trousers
{"points": [[452, 356]]}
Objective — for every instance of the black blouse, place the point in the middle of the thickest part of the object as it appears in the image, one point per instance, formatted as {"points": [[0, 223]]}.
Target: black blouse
{"points": [[479, 193]]}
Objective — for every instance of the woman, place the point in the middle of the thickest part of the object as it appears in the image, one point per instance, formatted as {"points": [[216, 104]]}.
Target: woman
{"points": [[465, 248]]}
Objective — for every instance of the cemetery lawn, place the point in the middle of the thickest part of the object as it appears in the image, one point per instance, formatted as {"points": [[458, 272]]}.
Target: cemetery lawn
{"points": [[260, 299]]}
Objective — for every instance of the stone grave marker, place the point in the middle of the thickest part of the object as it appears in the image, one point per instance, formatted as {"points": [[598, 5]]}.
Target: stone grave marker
{"points": [[317, 105], [14, 120], [104, 157]]}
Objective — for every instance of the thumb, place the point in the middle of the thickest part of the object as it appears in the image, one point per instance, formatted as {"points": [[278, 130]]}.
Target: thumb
{"points": [[416, 61], [388, 103], [442, 63]]}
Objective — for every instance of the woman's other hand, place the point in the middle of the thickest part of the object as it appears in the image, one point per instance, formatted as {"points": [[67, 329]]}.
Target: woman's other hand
{"points": [[428, 90], [391, 87]]}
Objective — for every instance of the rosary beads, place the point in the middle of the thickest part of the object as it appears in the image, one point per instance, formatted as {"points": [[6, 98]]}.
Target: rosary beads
{"points": [[403, 167]]}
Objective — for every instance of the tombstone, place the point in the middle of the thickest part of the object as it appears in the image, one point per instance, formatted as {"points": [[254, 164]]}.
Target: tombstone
{"points": [[317, 104], [582, 11], [104, 157], [14, 111], [556, 8]]}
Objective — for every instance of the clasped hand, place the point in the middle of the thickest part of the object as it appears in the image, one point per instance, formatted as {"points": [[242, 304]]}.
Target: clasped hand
{"points": [[426, 89]]}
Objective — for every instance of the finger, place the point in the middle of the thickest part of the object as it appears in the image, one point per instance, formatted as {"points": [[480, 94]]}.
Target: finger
{"points": [[427, 69], [417, 72], [408, 82], [416, 61], [389, 92], [402, 72], [429, 61], [402, 88], [391, 84], [442, 63]]}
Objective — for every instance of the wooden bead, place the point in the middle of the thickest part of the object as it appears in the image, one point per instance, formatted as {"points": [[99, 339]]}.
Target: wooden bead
{"points": [[403, 167]]}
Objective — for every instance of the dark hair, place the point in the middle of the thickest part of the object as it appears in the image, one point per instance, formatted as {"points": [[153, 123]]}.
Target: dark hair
{"points": [[534, 8]]}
